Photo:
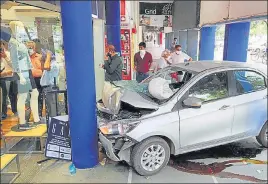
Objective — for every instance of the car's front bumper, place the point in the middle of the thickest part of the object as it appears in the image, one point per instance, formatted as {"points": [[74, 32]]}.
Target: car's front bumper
{"points": [[115, 150], [108, 146]]}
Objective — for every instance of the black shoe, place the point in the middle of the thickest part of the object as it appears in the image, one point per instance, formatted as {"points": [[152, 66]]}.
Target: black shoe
{"points": [[25, 126], [4, 116]]}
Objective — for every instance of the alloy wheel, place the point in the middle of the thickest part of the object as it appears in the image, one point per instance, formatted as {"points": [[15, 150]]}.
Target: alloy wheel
{"points": [[153, 157]]}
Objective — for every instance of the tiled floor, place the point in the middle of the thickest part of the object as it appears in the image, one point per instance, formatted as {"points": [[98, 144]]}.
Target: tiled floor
{"points": [[56, 171]]}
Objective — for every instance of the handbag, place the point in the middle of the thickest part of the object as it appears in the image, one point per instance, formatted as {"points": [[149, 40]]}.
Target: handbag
{"points": [[44, 81], [6, 73]]}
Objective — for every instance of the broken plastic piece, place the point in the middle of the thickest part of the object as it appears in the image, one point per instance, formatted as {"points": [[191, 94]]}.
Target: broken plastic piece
{"points": [[103, 162], [72, 169]]}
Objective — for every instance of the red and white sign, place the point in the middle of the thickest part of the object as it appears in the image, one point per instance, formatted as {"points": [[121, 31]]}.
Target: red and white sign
{"points": [[126, 54]]}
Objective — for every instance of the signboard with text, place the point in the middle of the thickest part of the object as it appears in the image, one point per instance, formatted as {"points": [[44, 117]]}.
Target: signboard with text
{"points": [[156, 14], [58, 144]]}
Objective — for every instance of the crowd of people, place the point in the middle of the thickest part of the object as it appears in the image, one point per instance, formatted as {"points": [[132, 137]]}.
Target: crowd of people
{"points": [[44, 69], [143, 61], [17, 86]]}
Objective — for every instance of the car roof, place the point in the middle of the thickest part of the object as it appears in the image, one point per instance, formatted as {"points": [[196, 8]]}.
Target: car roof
{"points": [[200, 66]]}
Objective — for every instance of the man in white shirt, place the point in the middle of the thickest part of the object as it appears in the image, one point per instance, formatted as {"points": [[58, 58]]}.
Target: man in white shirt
{"points": [[178, 56], [164, 61]]}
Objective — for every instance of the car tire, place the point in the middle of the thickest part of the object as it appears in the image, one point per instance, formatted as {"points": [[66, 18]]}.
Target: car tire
{"points": [[263, 136], [160, 152]]}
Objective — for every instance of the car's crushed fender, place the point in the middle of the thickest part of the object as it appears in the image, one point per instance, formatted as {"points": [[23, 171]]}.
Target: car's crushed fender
{"points": [[125, 152]]}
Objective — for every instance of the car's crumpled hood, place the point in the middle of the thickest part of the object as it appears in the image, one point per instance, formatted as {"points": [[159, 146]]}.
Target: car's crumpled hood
{"points": [[136, 100], [113, 95]]}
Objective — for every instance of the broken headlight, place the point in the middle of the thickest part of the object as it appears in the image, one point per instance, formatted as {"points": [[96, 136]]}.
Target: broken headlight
{"points": [[118, 127]]}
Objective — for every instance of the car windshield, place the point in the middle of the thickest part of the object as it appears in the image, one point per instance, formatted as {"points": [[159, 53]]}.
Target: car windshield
{"points": [[175, 76]]}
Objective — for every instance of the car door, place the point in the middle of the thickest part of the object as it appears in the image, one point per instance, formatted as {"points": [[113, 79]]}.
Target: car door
{"points": [[201, 127], [250, 102]]}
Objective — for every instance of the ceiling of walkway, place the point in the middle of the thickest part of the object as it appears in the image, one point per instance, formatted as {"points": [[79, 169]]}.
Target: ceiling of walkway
{"points": [[196, 13], [18, 11]]}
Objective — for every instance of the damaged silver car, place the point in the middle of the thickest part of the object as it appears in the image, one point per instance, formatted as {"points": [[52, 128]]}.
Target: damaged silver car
{"points": [[213, 103]]}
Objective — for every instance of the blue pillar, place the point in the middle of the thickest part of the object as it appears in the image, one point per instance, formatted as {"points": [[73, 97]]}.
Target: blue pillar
{"points": [[183, 40], [192, 44], [236, 41], [207, 43], [113, 23], [78, 46]]}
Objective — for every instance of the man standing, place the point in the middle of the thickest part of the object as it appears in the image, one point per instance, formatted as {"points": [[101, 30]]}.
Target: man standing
{"points": [[174, 43], [178, 56], [112, 65], [142, 61]]}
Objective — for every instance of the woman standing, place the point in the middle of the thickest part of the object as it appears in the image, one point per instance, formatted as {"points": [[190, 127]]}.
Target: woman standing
{"points": [[8, 81]]}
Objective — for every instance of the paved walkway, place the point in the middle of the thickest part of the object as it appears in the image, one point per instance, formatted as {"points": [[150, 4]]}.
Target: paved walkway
{"points": [[216, 165]]}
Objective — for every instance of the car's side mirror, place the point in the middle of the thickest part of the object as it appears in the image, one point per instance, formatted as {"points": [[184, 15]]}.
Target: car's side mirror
{"points": [[192, 102]]}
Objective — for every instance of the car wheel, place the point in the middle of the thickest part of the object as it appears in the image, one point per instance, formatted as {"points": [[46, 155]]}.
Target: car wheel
{"points": [[150, 156], [262, 138]]}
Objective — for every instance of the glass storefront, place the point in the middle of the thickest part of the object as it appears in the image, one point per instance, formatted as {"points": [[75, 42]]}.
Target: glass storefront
{"points": [[32, 65], [33, 82]]}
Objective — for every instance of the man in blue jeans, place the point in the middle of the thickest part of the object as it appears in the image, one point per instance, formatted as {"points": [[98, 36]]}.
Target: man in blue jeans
{"points": [[142, 61]]}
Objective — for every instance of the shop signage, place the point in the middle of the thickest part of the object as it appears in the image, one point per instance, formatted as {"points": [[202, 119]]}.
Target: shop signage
{"points": [[156, 14], [58, 143], [155, 8], [126, 54]]}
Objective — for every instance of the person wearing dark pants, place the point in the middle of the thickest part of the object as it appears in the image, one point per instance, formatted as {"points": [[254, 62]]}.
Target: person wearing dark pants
{"points": [[112, 65], [40, 97], [13, 94], [4, 99], [7, 76], [142, 61], [45, 69]]}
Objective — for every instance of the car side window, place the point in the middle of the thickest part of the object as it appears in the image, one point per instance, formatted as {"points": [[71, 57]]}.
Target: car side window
{"points": [[211, 87], [249, 81]]}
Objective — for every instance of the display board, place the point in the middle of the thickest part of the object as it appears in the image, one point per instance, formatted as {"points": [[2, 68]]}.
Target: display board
{"points": [[45, 32], [126, 54], [156, 14], [58, 144]]}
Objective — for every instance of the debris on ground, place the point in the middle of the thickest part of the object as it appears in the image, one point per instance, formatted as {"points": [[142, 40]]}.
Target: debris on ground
{"points": [[72, 169], [103, 162]]}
